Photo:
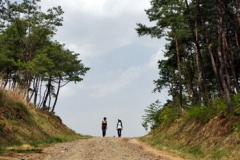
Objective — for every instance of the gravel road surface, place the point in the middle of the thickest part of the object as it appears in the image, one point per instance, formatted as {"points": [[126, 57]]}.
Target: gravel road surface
{"points": [[97, 148]]}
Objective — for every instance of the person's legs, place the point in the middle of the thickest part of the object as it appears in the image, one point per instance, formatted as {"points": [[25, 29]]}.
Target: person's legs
{"points": [[119, 132], [103, 132]]}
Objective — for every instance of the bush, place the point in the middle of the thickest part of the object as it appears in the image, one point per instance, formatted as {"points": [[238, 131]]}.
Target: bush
{"points": [[156, 114], [2, 125], [200, 113], [168, 114], [152, 117], [205, 113]]}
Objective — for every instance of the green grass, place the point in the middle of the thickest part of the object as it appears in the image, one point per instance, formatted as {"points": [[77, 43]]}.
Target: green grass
{"points": [[219, 154], [37, 145], [48, 141], [19, 150], [22, 125]]}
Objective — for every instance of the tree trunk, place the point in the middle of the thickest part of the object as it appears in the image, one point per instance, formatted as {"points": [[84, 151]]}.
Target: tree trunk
{"points": [[56, 98], [48, 92], [179, 77], [238, 11], [222, 58], [200, 64], [206, 37]]}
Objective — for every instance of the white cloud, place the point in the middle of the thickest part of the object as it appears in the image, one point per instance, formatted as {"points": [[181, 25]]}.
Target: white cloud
{"points": [[66, 91], [153, 62], [114, 8], [97, 27], [121, 74], [125, 78]]}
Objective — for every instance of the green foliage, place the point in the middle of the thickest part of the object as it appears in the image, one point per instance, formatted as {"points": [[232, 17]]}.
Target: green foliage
{"points": [[194, 62], [29, 57], [201, 113], [2, 99], [205, 113], [19, 106], [2, 149], [203, 132], [25, 128], [165, 141], [156, 114], [219, 154], [168, 114], [236, 128], [236, 103], [152, 116], [17, 110], [49, 140], [195, 151], [2, 125]]}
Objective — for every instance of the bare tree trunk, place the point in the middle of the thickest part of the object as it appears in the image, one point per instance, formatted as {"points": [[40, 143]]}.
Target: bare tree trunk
{"points": [[199, 61], [40, 94], [222, 58], [57, 94], [179, 77], [238, 11], [36, 87], [47, 93], [231, 64], [206, 37]]}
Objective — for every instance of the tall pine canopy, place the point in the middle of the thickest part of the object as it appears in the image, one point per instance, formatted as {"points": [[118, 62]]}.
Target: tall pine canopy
{"points": [[202, 53], [29, 59]]}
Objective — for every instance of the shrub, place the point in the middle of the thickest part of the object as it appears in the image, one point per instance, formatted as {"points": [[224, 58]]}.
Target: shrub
{"points": [[156, 114]]}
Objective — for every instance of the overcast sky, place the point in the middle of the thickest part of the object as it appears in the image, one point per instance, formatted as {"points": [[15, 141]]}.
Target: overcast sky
{"points": [[123, 65]]}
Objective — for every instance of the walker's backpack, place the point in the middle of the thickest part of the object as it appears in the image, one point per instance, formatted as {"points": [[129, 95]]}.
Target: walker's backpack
{"points": [[104, 124]]}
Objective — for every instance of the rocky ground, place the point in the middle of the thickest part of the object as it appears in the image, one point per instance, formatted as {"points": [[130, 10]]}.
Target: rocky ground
{"points": [[97, 148]]}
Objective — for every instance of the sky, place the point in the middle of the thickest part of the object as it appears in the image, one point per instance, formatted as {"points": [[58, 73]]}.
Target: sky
{"points": [[123, 65]]}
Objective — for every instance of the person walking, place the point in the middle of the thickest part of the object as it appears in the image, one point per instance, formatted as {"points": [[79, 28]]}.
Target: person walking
{"points": [[104, 126], [119, 127]]}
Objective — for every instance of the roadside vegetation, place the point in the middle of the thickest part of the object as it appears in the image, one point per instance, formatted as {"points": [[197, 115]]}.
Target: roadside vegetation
{"points": [[200, 72], [25, 128], [33, 69], [30, 58], [203, 132]]}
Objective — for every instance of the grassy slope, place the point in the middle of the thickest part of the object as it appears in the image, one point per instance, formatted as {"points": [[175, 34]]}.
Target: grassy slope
{"points": [[21, 124], [218, 138]]}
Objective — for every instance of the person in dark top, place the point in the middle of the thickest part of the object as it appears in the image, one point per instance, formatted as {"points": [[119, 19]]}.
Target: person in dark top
{"points": [[104, 126]]}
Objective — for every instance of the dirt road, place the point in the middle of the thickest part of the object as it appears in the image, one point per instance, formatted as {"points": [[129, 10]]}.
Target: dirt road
{"points": [[98, 148]]}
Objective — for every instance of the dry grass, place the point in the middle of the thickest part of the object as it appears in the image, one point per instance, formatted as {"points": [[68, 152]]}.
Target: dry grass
{"points": [[217, 139], [22, 147], [23, 126], [14, 95]]}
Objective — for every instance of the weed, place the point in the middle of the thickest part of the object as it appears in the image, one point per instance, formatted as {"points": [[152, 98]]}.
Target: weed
{"points": [[34, 150], [219, 154], [25, 148], [2, 149], [49, 140], [196, 151], [2, 125]]}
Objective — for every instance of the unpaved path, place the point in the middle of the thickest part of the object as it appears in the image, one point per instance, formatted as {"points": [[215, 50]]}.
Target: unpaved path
{"points": [[98, 148]]}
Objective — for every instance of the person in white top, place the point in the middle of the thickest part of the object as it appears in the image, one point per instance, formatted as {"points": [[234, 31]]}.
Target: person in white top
{"points": [[119, 127]]}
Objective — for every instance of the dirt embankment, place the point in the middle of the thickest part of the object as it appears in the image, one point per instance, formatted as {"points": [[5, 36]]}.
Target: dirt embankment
{"points": [[98, 148]]}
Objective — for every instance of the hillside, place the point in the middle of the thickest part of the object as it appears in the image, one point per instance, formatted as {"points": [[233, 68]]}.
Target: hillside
{"points": [[218, 138], [22, 124], [210, 134]]}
